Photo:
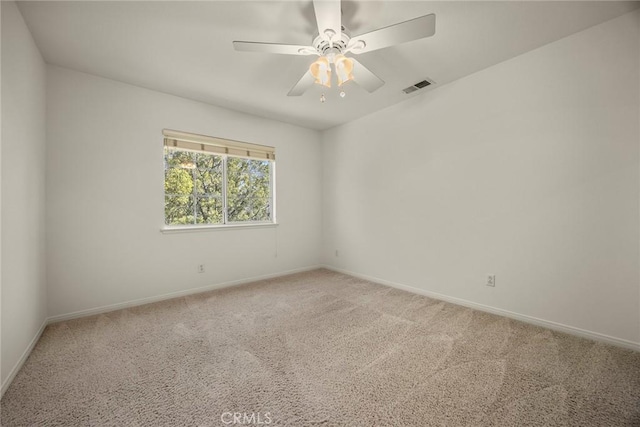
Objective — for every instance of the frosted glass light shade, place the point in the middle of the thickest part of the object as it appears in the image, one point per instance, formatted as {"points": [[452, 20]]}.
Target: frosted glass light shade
{"points": [[321, 71], [344, 69]]}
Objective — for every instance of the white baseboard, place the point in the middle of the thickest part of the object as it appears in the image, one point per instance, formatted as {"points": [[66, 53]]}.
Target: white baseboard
{"points": [[177, 294], [23, 358], [619, 342]]}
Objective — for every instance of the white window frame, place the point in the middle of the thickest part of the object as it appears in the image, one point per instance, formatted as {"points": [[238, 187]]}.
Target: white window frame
{"points": [[225, 225]]}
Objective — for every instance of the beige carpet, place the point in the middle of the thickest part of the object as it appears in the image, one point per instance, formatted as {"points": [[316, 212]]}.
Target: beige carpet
{"points": [[318, 348]]}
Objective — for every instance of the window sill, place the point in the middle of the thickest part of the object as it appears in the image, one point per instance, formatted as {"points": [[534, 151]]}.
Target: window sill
{"points": [[200, 228]]}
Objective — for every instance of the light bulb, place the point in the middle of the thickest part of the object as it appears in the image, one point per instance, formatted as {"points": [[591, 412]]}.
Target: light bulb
{"points": [[322, 98], [342, 94]]}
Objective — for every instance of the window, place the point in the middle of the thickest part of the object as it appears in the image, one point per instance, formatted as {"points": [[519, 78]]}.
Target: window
{"points": [[211, 181]]}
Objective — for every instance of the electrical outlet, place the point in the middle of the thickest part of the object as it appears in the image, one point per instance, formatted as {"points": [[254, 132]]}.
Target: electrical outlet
{"points": [[491, 280], [337, 253], [201, 268]]}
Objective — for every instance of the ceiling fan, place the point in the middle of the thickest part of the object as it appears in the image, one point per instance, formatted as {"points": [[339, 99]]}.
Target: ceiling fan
{"points": [[334, 41]]}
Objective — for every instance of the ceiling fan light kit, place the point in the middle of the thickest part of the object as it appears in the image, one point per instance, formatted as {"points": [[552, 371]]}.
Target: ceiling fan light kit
{"points": [[321, 69], [334, 41]]}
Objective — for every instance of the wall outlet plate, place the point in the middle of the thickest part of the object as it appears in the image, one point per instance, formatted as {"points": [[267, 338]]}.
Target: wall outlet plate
{"points": [[491, 280]]}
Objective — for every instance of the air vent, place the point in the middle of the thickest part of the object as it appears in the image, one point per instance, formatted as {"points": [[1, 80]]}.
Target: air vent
{"points": [[417, 86]]}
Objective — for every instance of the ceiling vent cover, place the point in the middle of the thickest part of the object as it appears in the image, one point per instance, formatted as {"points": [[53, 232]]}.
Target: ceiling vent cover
{"points": [[417, 86]]}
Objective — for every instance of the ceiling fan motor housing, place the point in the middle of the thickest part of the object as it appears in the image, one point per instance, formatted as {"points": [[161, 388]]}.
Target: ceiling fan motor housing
{"points": [[325, 46]]}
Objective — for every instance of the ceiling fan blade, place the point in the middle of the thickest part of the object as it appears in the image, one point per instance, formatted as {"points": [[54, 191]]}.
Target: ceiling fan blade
{"points": [[414, 29], [365, 78], [303, 84], [328, 16], [284, 49]]}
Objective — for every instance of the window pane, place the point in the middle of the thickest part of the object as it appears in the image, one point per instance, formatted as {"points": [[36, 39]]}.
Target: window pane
{"points": [[238, 209], [178, 209], [178, 159], [209, 210], [208, 181], [208, 161], [178, 181], [248, 190]]}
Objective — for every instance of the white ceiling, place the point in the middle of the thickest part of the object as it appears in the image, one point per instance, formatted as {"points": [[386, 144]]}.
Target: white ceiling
{"points": [[184, 48]]}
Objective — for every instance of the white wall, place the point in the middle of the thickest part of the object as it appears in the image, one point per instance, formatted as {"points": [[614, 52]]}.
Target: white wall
{"points": [[528, 170], [105, 196], [22, 189]]}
